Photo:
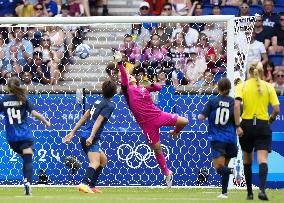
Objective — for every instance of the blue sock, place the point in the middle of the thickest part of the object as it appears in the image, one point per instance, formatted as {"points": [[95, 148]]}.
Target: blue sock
{"points": [[89, 176], [28, 167], [98, 171]]}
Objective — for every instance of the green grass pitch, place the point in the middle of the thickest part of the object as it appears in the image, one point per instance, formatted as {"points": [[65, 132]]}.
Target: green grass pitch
{"points": [[129, 195]]}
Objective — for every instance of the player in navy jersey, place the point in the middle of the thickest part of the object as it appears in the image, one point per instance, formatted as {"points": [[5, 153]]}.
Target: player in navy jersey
{"points": [[94, 119], [222, 131], [15, 106]]}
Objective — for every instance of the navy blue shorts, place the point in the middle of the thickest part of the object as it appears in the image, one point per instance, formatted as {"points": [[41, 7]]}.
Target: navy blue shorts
{"points": [[228, 150], [20, 145], [95, 147]]}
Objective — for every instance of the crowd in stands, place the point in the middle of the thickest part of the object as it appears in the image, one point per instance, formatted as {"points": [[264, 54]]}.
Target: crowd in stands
{"points": [[195, 54]]}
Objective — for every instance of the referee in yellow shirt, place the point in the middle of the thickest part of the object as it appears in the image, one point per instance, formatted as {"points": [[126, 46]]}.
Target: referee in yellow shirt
{"points": [[254, 128]]}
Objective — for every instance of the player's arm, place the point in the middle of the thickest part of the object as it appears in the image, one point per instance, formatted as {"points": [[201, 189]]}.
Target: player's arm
{"points": [[237, 116], [118, 59], [205, 112], [81, 122], [275, 104], [40, 117], [154, 87], [95, 129]]}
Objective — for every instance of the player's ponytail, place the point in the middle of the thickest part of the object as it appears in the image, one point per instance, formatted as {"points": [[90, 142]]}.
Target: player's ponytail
{"points": [[15, 88], [256, 70]]}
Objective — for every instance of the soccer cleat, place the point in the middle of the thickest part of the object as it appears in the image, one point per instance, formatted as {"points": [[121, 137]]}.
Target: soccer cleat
{"points": [[262, 196], [28, 190], [85, 188], [96, 190], [169, 179], [250, 197], [174, 134], [223, 196]]}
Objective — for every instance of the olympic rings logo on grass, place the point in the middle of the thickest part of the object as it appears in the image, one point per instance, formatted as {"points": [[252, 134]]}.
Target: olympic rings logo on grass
{"points": [[136, 156]]}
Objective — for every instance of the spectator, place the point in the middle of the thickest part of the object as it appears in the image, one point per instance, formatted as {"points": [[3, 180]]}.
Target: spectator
{"points": [[144, 10], [193, 71], [269, 18], [230, 2], [86, 6], [57, 39], [167, 10], [162, 77], [182, 6], [278, 38], [216, 9], [25, 47], [207, 80], [25, 10], [191, 34], [130, 52], [64, 11], [112, 72], [165, 32], [74, 8], [34, 36], [8, 7], [268, 72], [262, 34], [244, 9], [51, 7], [11, 66], [278, 77], [40, 11], [140, 35], [27, 76], [178, 54], [214, 34], [255, 2], [206, 53], [197, 10], [256, 52], [156, 6], [154, 55]]}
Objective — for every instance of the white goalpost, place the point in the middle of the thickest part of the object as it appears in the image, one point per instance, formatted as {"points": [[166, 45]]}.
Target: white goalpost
{"points": [[131, 162]]}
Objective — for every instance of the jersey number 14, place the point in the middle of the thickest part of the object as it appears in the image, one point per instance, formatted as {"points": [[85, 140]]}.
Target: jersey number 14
{"points": [[222, 116], [14, 114]]}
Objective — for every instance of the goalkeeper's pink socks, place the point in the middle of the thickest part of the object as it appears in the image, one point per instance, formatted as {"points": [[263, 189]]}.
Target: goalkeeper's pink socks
{"points": [[162, 163]]}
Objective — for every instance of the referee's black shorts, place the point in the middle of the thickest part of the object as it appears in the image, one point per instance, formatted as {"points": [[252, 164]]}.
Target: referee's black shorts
{"points": [[257, 137]]}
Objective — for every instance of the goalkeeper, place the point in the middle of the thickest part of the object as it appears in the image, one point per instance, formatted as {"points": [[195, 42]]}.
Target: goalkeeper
{"points": [[94, 119], [149, 117]]}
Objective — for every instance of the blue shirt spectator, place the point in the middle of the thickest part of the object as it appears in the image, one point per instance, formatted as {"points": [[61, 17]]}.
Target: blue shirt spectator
{"points": [[7, 7], [51, 7]]}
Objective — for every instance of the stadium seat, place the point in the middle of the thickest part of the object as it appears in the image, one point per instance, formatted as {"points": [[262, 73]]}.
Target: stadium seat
{"points": [[253, 9], [230, 10], [207, 9], [276, 59], [278, 8], [278, 2]]}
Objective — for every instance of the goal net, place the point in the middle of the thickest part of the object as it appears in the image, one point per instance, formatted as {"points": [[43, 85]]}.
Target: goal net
{"points": [[187, 55]]}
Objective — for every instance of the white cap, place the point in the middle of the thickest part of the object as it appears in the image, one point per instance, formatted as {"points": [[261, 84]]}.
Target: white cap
{"points": [[144, 3]]}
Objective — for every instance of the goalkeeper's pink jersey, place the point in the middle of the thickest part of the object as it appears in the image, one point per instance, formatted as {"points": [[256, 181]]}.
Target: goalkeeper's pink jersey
{"points": [[139, 99]]}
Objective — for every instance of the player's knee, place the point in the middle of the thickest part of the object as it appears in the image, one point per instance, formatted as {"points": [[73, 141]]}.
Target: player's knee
{"points": [[94, 164]]}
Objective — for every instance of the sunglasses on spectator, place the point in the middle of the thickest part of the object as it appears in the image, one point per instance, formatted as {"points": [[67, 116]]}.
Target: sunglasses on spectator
{"points": [[281, 19], [45, 39], [167, 9], [280, 76], [39, 8], [144, 8], [258, 20]]}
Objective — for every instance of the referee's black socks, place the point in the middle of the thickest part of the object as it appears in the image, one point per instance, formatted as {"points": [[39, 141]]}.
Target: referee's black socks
{"points": [[248, 177], [28, 167], [263, 169]]}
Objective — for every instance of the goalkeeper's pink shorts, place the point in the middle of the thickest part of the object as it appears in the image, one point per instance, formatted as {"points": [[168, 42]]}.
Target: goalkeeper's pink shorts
{"points": [[151, 129]]}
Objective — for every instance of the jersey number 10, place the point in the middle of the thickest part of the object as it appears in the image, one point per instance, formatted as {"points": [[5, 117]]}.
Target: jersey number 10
{"points": [[14, 114], [222, 116]]}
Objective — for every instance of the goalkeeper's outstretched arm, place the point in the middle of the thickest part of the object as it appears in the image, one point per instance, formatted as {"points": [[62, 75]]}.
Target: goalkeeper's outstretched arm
{"points": [[154, 87], [117, 58]]}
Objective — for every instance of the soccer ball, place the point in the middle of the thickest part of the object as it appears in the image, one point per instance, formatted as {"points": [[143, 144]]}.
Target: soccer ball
{"points": [[83, 51]]}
